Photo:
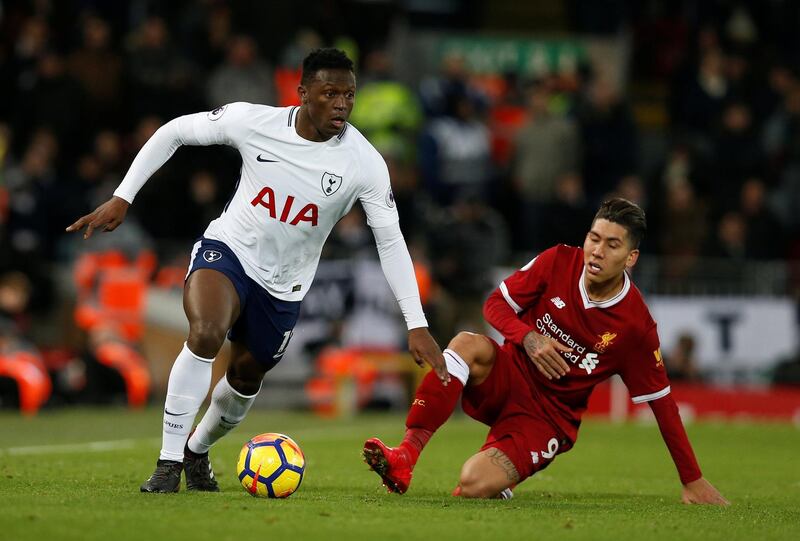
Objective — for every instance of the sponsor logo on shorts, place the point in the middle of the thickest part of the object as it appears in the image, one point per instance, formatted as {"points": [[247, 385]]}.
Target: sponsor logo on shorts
{"points": [[212, 255]]}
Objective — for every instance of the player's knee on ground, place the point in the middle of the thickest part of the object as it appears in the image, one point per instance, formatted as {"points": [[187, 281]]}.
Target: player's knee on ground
{"points": [[206, 338], [477, 481], [476, 486]]}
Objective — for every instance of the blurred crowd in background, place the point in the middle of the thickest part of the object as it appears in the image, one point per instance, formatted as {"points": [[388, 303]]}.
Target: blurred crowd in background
{"points": [[703, 131]]}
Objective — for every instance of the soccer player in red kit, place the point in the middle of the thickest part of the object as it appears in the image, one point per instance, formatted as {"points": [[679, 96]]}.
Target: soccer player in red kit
{"points": [[571, 318]]}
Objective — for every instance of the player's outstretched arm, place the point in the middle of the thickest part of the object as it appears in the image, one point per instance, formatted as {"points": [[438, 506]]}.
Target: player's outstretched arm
{"points": [[702, 492], [106, 217], [424, 349]]}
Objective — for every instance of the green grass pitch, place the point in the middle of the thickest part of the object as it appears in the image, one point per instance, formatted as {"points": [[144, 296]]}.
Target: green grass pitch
{"points": [[75, 475]]}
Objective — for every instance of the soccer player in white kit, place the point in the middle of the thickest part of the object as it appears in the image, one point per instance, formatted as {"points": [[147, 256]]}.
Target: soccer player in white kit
{"points": [[302, 170]]}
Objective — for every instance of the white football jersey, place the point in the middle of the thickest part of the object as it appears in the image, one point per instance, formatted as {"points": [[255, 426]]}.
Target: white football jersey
{"points": [[291, 191]]}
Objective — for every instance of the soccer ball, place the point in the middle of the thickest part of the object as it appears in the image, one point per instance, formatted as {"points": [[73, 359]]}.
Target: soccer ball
{"points": [[271, 466]]}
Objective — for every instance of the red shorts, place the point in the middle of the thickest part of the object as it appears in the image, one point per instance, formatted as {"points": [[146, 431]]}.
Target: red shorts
{"points": [[510, 405]]}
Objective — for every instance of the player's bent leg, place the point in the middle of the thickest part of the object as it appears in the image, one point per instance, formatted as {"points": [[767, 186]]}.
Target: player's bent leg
{"points": [[211, 304], [477, 352], [231, 399], [487, 474], [432, 406], [245, 373]]}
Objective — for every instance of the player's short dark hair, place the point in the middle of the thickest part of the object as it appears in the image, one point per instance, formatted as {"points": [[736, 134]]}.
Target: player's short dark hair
{"points": [[627, 214], [324, 59]]}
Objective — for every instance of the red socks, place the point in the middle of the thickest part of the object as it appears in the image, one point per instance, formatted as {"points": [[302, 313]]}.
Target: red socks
{"points": [[432, 406]]}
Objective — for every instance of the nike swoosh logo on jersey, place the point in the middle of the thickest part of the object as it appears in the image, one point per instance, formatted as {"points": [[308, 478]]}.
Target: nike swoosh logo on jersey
{"points": [[259, 158]]}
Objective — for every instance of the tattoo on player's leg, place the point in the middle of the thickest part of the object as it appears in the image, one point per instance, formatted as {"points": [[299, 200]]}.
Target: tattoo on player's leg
{"points": [[499, 458]]}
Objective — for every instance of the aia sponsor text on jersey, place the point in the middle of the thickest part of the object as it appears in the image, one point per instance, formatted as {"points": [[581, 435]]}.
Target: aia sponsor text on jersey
{"points": [[267, 199]]}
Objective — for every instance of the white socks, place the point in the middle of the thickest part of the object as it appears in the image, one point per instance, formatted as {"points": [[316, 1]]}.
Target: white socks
{"points": [[456, 366], [228, 408], [188, 385]]}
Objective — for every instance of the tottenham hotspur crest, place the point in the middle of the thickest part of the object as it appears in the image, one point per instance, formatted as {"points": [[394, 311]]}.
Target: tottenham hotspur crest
{"points": [[212, 255], [330, 183]]}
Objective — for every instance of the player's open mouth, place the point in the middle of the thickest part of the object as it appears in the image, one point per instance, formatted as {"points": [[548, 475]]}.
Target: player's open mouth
{"points": [[593, 268], [338, 122]]}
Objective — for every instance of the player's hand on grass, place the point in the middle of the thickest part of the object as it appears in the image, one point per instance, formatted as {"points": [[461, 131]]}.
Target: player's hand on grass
{"points": [[424, 349], [106, 217], [545, 354], [702, 492]]}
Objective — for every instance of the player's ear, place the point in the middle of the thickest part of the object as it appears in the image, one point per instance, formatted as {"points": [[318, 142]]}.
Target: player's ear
{"points": [[633, 257], [303, 93]]}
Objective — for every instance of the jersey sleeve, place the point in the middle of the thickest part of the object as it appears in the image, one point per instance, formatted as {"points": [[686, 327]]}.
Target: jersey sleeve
{"points": [[377, 197], [643, 372], [523, 288], [226, 125], [516, 293]]}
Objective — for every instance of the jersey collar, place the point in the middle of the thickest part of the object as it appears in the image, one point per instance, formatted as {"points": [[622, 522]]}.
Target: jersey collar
{"points": [[608, 303]]}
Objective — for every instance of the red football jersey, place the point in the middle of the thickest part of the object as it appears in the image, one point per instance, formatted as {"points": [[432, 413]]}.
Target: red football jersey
{"points": [[615, 336]]}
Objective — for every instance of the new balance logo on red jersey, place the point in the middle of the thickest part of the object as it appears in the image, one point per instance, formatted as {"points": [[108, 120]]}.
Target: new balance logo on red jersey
{"points": [[267, 199], [558, 302]]}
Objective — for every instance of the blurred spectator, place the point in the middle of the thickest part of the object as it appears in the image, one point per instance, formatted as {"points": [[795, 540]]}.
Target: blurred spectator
{"points": [[738, 154], [386, 110], [697, 98], [54, 99], [786, 199], [730, 241], [455, 153], [453, 78], [681, 362], [30, 45], [781, 133], [32, 186], [289, 69], [632, 188], [108, 150], [15, 296], [160, 76], [546, 148], [304, 41], [350, 238], [608, 137], [684, 230], [201, 206], [568, 215], [244, 76], [98, 68], [765, 238], [467, 241]]}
